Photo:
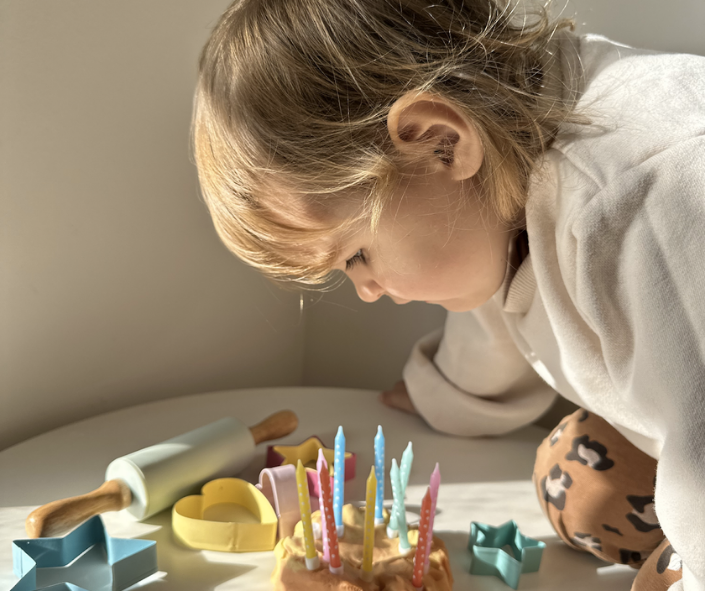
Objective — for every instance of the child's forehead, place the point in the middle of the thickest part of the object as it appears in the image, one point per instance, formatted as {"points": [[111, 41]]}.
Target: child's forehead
{"points": [[312, 209], [330, 218]]}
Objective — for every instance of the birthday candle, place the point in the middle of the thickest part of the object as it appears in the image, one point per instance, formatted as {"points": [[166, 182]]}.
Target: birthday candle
{"points": [[336, 566], [324, 529], [393, 526], [422, 547], [368, 544], [407, 459], [339, 481], [312, 562], [379, 473], [435, 485], [404, 545]]}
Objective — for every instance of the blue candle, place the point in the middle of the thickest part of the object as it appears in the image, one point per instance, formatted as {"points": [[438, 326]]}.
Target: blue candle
{"points": [[339, 481], [379, 474]]}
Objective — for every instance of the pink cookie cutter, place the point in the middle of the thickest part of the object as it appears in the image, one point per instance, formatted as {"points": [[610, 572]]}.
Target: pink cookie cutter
{"points": [[278, 484], [307, 452]]}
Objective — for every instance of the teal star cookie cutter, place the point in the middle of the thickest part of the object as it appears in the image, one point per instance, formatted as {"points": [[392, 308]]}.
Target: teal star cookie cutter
{"points": [[130, 561], [503, 552]]}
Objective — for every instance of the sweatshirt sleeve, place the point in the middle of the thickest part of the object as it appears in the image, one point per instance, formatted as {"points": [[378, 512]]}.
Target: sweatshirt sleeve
{"points": [[641, 286], [470, 379]]}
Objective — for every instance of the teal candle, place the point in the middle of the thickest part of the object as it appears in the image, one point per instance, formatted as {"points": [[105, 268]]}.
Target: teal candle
{"points": [[400, 508], [393, 526], [407, 459]]}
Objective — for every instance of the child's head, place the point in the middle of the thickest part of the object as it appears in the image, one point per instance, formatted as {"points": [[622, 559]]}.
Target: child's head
{"points": [[311, 116]]}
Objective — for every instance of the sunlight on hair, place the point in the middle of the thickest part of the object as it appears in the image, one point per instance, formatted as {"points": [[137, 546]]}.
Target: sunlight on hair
{"points": [[301, 91]]}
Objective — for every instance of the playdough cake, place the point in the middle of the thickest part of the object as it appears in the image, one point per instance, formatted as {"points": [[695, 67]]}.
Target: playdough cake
{"points": [[391, 570]]}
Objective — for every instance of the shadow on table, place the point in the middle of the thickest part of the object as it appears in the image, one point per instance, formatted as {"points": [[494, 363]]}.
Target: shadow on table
{"points": [[561, 568], [413, 513], [413, 510], [185, 569]]}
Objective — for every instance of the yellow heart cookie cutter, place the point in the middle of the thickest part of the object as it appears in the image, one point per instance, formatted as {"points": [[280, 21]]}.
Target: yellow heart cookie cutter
{"points": [[231, 515]]}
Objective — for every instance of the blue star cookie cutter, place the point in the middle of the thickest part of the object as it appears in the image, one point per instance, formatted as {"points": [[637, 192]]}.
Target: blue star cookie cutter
{"points": [[129, 561], [503, 552]]}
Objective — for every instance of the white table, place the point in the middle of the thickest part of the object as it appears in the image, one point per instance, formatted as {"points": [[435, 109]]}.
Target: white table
{"points": [[487, 480]]}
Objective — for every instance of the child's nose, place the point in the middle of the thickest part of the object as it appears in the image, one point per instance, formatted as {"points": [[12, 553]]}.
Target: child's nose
{"points": [[368, 290]]}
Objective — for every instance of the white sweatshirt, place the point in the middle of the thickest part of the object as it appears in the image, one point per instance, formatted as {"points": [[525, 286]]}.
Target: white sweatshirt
{"points": [[609, 307]]}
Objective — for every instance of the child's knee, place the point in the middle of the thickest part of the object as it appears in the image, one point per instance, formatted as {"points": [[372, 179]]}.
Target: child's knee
{"points": [[660, 571], [596, 489]]}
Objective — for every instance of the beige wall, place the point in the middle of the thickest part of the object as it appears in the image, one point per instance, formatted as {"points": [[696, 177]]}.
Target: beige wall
{"points": [[675, 25], [349, 342], [113, 287]]}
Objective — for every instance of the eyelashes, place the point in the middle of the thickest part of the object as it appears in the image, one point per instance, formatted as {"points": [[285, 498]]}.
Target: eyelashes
{"points": [[358, 257]]}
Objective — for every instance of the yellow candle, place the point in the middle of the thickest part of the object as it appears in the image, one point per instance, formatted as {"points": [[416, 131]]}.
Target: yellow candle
{"points": [[369, 539], [312, 562]]}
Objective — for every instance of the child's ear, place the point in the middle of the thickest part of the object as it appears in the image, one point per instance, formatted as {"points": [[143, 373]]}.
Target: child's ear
{"points": [[427, 125]]}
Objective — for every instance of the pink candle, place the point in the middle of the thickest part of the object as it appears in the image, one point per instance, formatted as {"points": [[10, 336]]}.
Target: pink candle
{"points": [[423, 546], [327, 509], [324, 530], [435, 485]]}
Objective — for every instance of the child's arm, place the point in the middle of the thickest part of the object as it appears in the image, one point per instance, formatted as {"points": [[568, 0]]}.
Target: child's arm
{"points": [[398, 397], [470, 378]]}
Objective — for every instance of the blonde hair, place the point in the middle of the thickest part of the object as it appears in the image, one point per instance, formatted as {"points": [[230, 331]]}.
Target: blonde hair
{"points": [[291, 107]]}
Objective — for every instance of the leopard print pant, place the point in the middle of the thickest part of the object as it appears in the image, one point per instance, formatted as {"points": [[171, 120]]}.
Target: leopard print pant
{"points": [[597, 490]]}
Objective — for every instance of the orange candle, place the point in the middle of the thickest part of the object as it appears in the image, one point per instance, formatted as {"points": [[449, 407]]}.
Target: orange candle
{"points": [[422, 546], [336, 566]]}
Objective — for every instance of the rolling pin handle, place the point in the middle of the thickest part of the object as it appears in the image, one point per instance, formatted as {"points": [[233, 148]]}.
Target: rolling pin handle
{"points": [[59, 517], [275, 426]]}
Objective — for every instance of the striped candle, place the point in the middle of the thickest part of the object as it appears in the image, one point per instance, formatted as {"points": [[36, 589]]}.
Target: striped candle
{"points": [[422, 546], [312, 562], [335, 565]]}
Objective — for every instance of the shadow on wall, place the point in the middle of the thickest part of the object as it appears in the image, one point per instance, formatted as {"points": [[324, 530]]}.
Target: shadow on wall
{"points": [[353, 344], [358, 345]]}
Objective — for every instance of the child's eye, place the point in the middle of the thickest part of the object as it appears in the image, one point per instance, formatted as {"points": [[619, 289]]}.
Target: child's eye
{"points": [[358, 257]]}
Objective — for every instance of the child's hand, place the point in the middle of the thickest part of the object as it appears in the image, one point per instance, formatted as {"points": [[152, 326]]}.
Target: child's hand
{"points": [[398, 398]]}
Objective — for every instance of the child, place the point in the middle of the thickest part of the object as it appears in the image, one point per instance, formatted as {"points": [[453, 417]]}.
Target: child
{"points": [[546, 189]]}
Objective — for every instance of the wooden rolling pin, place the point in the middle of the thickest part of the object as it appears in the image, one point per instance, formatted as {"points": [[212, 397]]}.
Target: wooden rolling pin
{"points": [[152, 479]]}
